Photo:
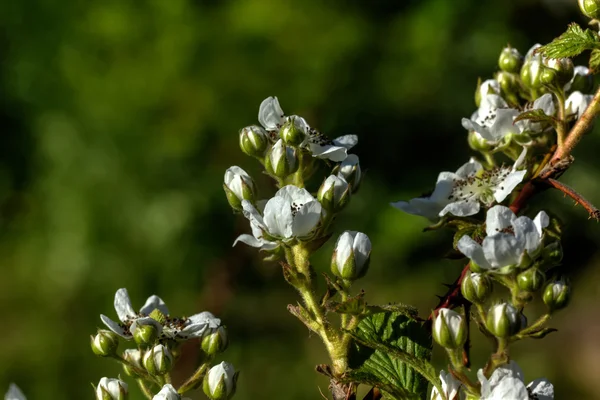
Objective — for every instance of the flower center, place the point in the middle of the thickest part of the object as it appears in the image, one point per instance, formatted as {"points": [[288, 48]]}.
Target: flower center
{"points": [[487, 118], [479, 186], [317, 137], [295, 208]]}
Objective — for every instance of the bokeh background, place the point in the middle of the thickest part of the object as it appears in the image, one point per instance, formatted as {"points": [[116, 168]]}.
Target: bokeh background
{"points": [[119, 118]]}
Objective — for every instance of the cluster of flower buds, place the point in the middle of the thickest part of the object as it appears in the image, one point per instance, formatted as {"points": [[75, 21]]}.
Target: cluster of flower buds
{"points": [[158, 337]]}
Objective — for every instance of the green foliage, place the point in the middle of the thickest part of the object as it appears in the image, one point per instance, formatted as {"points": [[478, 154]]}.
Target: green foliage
{"points": [[393, 353], [571, 43], [595, 61], [537, 115]]}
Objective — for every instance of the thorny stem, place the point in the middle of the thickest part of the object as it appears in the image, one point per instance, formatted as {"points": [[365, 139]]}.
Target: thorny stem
{"points": [[579, 199], [561, 128]]}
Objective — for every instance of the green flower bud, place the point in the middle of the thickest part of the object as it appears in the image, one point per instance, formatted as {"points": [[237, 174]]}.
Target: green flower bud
{"points": [[556, 295], [510, 60], [590, 8], [238, 186], [215, 341], [349, 169], [564, 69], [294, 131], [476, 287], [105, 343], [111, 389], [553, 253], [134, 357], [503, 320], [334, 194], [158, 360], [351, 256], [532, 69], [145, 335], [549, 76], [478, 143], [254, 141], [449, 329], [281, 160], [220, 382], [531, 280]]}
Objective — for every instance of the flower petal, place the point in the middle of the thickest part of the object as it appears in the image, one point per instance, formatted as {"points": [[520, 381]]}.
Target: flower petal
{"points": [[278, 217], [154, 303], [115, 327], [497, 219], [526, 232], [502, 250], [306, 218], [543, 389], [249, 240], [329, 151], [462, 208], [14, 393], [252, 214], [123, 306], [347, 141], [270, 114], [473, 250], [294, 194], [541, 221], [470, 168], [503, 124], [509, 183]]}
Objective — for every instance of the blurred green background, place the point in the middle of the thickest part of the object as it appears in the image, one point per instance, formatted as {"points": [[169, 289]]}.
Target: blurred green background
{"points": [[118, 119]]}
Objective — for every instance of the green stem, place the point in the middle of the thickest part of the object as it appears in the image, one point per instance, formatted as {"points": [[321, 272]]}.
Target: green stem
{"points": [[455, 357], [195, 379], [534, 327], [145, 389], [561, 129]]}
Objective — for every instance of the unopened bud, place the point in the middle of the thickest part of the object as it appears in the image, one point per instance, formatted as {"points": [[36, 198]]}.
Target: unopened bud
{"points": [[556, 295], [294, 132], [510, 60], [281, 160], [254, 141], [167, 392], [238, 186], [503, 320], [532, 69], [134, 362], [215, 341], [158, 360], [476, 287], [145, 335], [553, 253], [105, 343], [349, 169], [449, 329], [478, 143], [564, 69], [220, 382], [334, 194], [531, 279], [111, 389], [489, 86], [351, 256], [590, 8]]}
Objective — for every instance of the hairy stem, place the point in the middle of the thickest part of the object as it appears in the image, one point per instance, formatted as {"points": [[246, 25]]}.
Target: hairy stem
{"points": [[195, 379]]}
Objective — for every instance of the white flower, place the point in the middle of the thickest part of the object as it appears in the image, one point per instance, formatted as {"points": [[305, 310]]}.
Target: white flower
{"points": [[239, 183], [450, 387], [489, 86], [168, 392], [351, 255], [461, 193], [292, 212], [270, 114], [507, 239], [577, 103], [449, 329], [115, 388], [175, 328], [223, 372], [506, 383], [14, 393]]}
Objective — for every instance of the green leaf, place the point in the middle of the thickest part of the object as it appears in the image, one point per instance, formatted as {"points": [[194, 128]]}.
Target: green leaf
{"points": [[595, 61], [571, 43], [392, 352], [352, 305], [536, 116]]}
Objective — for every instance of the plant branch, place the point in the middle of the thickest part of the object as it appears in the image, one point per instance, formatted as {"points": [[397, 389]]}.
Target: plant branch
{"points": [[579, 199]]}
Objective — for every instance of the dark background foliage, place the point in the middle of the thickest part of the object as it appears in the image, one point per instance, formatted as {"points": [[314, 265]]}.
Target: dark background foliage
{"points": [[119, 118]]}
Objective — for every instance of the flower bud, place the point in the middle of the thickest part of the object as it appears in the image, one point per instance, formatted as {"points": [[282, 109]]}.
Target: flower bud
{"points": [[167, 392], [590, 8], [476, 287], [531, 280], [220, 382], [449, 329], [510, 60], [351, 255], [145, 335], [556, 295], [111, 389], [489, 86], [478, 143], [238, 186], [158, 360], [503, 320], [532, 69], [583, 80], [105, 343], [564, 69], [215, 341], [254, 141], [334, 194], [349, 169], [553, 253], [294, 132], [134, 357], [281, 160]]}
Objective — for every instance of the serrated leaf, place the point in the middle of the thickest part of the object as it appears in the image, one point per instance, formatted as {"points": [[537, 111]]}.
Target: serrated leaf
{"points": [[536, 116], [595, 61], [571, 43], [392, 352]]}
